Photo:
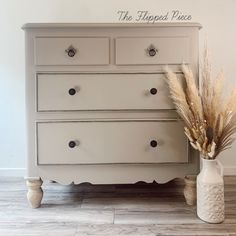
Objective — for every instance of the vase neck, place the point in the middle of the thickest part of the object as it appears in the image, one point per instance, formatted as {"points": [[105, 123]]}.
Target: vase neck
{"points": [[210, 171], [209, 164]]}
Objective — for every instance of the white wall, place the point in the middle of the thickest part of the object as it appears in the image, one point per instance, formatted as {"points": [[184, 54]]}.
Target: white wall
{"points": [[217, 17]]}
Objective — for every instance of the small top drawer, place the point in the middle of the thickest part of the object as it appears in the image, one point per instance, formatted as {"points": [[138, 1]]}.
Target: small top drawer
{"points": [[152, 50], [71, 51]]}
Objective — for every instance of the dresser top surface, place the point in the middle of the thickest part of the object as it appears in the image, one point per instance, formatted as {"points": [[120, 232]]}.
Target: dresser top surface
{"points": [[106, 25]]}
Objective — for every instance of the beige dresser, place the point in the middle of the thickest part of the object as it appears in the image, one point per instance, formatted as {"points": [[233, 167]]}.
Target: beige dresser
{"points": [[98, 108]]}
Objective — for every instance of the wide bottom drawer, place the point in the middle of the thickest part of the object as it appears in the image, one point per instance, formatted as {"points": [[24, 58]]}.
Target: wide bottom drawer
{"points": [[107, 142]]}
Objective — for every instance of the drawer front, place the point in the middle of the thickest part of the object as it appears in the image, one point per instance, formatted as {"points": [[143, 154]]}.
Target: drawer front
{"points": [[102, 92], [151, 51], [71, 51], [111, 142]]}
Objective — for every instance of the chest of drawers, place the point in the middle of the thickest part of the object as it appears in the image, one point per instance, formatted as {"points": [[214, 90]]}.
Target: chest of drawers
{"points": [[98, 108]]}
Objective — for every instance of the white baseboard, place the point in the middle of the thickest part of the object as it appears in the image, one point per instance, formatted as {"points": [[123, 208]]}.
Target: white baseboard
{"points": [[14, 172], [229, 170], [21, 172]]}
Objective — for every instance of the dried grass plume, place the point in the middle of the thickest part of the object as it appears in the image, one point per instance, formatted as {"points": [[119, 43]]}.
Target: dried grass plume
{"points": [[210, 119]]}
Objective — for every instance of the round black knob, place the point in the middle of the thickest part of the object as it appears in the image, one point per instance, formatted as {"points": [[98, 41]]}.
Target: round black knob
{"points": [[71, 52], [72, 144], [72, 91], [153, 91], [152, 52], [153, 143]]}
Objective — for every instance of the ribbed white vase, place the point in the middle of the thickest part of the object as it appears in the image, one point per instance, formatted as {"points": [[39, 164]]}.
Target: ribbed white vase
{"points": [[210, 192]]}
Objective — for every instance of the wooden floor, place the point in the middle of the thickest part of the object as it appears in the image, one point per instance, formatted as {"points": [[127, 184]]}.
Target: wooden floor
{"points": [[134, 210]]}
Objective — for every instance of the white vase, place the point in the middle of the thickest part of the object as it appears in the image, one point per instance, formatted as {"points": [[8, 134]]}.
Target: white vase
{"points": [[210, 192]]}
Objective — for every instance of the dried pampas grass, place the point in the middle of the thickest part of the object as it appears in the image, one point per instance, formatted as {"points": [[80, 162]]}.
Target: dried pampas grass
{"points": [[210, 120]]}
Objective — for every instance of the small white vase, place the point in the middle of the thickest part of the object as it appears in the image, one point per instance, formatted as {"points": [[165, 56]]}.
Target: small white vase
{"points": [[210, 192]]}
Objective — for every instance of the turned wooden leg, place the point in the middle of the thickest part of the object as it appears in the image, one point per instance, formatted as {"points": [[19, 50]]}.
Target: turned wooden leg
{"points": [[35, 192], [190, 189]]}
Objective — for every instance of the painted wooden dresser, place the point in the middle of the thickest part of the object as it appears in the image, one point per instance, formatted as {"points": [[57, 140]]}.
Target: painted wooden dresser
{"points": [[98, 107]]}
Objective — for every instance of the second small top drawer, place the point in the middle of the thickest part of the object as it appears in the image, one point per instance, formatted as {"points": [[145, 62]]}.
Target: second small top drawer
{"points": [[71, 92], [152, 50]]}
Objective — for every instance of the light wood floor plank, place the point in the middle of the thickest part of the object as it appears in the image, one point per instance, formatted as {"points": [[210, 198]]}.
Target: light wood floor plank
{"points": [[135, 210], [155, 230]]}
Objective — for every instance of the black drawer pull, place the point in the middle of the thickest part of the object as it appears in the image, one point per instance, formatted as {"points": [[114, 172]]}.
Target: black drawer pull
{"points": [[151, 50], [153, 91], [71, 51], [72, 144], [153, 143], [72, 91]]}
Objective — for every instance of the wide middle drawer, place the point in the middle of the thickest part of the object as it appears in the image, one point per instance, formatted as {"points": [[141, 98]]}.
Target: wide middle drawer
{"points": [[71, 92]]}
